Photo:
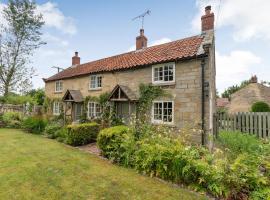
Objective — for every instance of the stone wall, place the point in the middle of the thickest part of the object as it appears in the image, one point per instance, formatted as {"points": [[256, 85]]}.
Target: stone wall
{"points": [[185, 92]]}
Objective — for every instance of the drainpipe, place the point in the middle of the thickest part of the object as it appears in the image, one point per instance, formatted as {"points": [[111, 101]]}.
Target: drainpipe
{"points": [[202, 101]]}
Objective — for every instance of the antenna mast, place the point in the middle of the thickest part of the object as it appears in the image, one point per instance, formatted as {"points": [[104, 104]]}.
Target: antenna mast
{"points": [[142, 16], [58, 68]]}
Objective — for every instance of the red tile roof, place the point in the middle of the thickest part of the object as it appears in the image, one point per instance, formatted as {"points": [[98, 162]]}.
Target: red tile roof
{"points": [[186, 48], [222, 102]]}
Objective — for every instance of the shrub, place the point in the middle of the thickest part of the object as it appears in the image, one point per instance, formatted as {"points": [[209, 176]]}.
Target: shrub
{"points": [[244, 176], [260, 106], [237, 142], [12, 119], [80, 134], [111, 142], [34, 125], [51, 130]]}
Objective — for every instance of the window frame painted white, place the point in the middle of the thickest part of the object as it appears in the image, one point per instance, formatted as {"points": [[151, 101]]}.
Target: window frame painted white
{"points": [[94, 110], [163, 82], [56, 87], [155, 121], [56, 111], [96, 82]]}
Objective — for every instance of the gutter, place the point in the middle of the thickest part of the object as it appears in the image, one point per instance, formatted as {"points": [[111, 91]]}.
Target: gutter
{"points": [[202, 102]]}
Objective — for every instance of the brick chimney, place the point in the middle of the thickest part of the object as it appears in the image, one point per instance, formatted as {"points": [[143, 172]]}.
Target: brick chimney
{"points": [[208, 19], [254, 79], [141, 40], [76, 60]]}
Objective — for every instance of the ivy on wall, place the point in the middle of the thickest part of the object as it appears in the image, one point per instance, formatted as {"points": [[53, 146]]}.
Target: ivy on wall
{"points": [[148, 93]]}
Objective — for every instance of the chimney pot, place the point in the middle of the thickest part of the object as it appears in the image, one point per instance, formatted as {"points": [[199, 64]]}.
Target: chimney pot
{"points": [[207, 19], [76, 60], [254, 79], [141, 40]]}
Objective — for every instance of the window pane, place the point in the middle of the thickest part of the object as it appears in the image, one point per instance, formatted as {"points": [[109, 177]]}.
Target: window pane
{"points": [[156, 74], [99, 81], [93, 82]]}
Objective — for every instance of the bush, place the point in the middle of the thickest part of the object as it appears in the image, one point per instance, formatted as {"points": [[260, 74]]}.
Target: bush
{"points": [[80, 134], [260, 106], [51, 130], [110, 141], [219, 173], [34, 125], [12, 119]]}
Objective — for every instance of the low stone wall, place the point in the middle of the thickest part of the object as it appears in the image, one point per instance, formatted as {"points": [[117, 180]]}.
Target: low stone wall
{"points": [[25, 109]]}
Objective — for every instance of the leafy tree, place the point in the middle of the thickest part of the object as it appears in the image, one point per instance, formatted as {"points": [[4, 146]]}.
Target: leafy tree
{"points": [[18, 39], [232, 89], [38, 95], [260, 106]]}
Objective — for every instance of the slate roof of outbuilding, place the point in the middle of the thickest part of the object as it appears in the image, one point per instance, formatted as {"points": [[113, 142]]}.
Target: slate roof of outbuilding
{"points": [[183, 49]]}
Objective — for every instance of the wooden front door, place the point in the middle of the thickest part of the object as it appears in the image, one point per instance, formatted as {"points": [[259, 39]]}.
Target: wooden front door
{"points": [[78, 111]]}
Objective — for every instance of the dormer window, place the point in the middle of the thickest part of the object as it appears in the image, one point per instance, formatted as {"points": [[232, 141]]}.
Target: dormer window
{"points": [[163, 73], [58, 86], [95, 82]]}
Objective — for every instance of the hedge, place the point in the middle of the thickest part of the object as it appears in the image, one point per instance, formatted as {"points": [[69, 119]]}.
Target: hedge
{"points": [[80, 134]]}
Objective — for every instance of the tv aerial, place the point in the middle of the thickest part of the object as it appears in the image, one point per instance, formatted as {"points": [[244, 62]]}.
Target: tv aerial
{"points": [[58, 68], [142, 16]]}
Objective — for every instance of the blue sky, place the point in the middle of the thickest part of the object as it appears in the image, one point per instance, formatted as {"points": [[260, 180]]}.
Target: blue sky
{"points": [[100, 28]]}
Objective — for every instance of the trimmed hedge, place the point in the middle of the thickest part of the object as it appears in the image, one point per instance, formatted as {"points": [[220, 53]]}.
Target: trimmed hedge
{"points": [[260, 106], [80, 134]]}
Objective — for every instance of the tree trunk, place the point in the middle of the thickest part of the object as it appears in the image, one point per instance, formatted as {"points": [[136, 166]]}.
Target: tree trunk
{"points": [[6, 89]]}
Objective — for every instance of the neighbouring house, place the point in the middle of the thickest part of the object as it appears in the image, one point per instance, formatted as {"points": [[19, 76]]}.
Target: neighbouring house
{"points": [[184, 68], [242, 100], [222, 103]]}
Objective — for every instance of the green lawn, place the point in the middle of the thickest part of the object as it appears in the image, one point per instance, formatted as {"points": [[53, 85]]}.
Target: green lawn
{"points": [[33, 167]]}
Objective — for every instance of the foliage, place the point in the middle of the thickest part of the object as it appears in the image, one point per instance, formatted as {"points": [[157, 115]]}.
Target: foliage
{"points": [[12, 119], [157, 153], [38, 96], [117, 144], [20, 37], [236, 143], [51, 130], [80, 134], [260, 106], [232, 89], [34, 125], [16, 99], [147, 94]]}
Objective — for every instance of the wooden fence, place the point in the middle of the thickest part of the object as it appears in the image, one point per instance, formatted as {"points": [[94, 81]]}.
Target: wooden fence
{"points": [[21, 109], [246, 122]]}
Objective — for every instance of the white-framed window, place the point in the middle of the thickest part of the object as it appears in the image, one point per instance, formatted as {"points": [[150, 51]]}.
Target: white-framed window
{"points": [[163, 73], [163, 112], [58, 86], [94, 109], [95, 82], [56, 108]]}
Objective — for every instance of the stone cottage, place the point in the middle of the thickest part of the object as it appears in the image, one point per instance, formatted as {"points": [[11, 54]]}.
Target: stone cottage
{"points": [[242, 100], [184, 68]]}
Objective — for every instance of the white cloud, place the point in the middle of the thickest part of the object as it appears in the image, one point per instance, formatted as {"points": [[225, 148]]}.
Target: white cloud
{"points": [[48, 38], [53, 17], [249, 18], [235, 67], [153, 43]]}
